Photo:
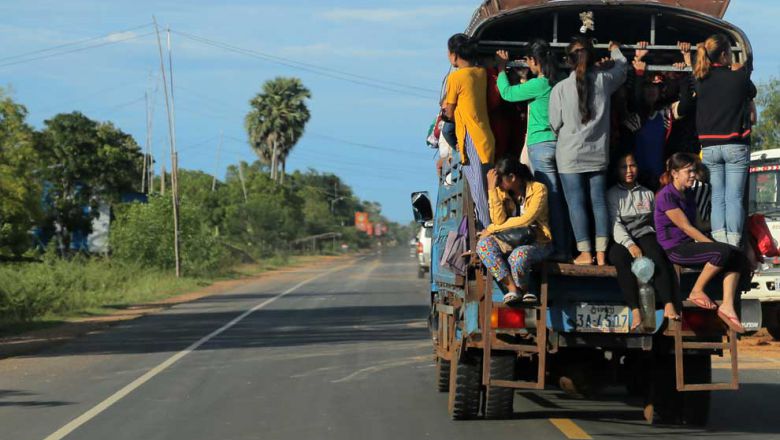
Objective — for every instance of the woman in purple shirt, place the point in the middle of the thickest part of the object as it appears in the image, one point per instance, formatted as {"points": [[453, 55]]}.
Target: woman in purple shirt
{"points": [[675, 214]]}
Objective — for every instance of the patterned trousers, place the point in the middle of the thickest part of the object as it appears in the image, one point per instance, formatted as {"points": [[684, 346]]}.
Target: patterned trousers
{"points": [[518, 264]]}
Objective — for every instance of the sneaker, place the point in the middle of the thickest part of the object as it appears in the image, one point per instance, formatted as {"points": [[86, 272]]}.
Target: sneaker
{"points": [[511, 298], [530, 298]]}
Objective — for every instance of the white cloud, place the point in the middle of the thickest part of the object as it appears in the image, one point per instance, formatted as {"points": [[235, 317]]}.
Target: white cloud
{"points": [[119, 36], [387, 14]]}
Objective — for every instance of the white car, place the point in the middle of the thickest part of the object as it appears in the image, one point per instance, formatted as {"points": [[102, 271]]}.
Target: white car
{"points": [[424, 249]]}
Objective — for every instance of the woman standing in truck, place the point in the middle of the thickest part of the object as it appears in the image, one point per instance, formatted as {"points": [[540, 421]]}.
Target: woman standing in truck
{"points": [[520, 226], [540, 137], [631, 215], [675, 215], [466, 104], [580, 115], [723, 96]]}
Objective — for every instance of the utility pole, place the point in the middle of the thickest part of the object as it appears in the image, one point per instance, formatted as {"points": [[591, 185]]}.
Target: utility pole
{"points": [[145, 173], [172, 139], [216, 165], [162, 180], [241, 176]]}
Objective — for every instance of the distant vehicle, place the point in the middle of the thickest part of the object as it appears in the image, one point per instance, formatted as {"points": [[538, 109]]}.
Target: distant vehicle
{"points": [[765, 199], [423, 249], [578, 336]]}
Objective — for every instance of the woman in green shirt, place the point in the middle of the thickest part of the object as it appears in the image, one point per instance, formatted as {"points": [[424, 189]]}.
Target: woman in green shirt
{"points": [[541, 139]]}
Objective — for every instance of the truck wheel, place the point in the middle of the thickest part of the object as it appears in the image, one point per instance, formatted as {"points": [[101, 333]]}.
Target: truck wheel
{"points": [[696, 404], [465, 388], [663, 395], [774, 331], [442, 375], [499, 400]]}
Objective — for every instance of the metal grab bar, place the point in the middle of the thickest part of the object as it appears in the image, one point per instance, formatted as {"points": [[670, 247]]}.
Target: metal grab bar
{"points": [[499, 43]]}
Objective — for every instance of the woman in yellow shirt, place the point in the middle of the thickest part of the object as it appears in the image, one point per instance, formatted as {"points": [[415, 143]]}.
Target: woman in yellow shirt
{"points": [[516, 201], [466, 105]]}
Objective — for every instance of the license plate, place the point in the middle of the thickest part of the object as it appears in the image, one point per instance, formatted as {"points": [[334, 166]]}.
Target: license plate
{"points": [[599, 318]]}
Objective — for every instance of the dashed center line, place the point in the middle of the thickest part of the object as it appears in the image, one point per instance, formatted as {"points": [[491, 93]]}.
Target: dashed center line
{"points": [[570, 429]]}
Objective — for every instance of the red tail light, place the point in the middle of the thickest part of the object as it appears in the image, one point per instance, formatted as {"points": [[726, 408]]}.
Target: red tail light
{"points": [[700, 321], [419, 248], [508, 318]]}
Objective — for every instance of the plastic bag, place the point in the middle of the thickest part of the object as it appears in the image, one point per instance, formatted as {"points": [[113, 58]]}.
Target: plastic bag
{"points": [[643, 268]]}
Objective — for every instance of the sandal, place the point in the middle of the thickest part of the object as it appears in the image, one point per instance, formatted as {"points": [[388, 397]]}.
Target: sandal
{"points": [[703, 302], [731, 321]]}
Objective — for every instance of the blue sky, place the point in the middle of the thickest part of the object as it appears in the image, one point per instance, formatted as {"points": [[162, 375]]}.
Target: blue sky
{"points": [[399, 42]]}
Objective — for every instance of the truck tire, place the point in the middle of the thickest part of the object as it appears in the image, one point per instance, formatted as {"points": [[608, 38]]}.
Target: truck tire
{"points": [[498, 400], [696, 404], [774, 331], [442, 375], [688, 407], [466, 388]]}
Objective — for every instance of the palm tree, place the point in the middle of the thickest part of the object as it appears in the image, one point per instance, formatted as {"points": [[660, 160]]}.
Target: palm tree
{"points": [[277, 120]]}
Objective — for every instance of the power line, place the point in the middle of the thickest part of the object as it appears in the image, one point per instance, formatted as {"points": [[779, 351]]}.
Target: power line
{"points": [[74, 43], [80, 49], [318, 70]]}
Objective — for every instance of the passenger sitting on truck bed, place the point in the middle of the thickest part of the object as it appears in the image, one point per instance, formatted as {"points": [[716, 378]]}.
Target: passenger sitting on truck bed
{"points": [[631, 215], [580, 115], [675, 214], [518, 209], [466, 104]]}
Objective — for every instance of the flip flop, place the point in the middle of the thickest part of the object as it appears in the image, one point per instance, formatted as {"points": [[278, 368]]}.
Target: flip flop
{"points": [[731, 321], [703, 303]]}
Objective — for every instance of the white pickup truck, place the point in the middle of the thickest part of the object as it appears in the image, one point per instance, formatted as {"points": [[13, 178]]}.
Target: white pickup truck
{"points": [[765, 199]]}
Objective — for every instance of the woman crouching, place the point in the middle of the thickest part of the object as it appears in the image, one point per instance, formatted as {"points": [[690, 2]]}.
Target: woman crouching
{"points": [[675, 215], [631, 215], [520, 226]]}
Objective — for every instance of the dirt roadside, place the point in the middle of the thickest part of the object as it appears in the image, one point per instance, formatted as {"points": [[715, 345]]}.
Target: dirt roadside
{"points": [[36, 340]]}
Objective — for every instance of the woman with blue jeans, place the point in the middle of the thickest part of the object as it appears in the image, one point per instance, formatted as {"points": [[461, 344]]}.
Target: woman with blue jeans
{"points": [[722, 93], [579, 113], [541, 139]]}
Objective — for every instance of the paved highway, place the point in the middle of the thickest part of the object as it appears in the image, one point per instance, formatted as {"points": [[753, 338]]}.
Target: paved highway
{"points": [[327, 352]]}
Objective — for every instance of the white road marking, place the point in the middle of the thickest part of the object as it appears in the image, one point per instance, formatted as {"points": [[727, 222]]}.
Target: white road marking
{"points": [[132, 386]]}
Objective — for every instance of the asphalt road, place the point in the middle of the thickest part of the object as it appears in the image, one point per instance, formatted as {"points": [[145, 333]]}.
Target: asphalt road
{"points": [[333, 352]]}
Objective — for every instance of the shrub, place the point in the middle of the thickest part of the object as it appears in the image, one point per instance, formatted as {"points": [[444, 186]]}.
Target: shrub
{"points": [[143, 234]]}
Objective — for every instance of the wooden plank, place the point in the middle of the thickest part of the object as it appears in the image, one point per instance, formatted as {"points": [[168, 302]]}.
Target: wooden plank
{"points": [[519, 384], [709, 387], [498, 344], [703, 345]]}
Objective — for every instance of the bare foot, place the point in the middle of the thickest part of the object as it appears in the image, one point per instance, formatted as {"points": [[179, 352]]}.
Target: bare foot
{"points": [[636, 319], [584, 259], [601, 258], [702, 300], [670, 312]]}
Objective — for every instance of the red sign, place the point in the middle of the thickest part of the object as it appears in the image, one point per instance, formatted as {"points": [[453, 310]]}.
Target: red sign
{"points": [[361, 221]]}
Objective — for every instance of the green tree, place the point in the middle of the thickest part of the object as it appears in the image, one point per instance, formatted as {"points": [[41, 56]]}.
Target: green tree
{"points": [[767, 130], [82, 162], [20, 196], [277, 120]]}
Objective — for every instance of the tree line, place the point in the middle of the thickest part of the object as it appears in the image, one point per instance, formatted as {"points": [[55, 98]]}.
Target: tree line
{"points": [[53, 179]]}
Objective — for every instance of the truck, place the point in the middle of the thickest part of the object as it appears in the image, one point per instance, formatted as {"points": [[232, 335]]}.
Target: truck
{"points": [[577, 336], [764, 198], [423, 249]]}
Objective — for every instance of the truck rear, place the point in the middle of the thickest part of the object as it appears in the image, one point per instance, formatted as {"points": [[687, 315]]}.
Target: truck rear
{"points": [[577, 337]]}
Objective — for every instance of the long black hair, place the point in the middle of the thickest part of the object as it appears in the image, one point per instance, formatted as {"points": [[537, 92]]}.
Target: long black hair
{"points": [[463, 47], [582, 58], [540, 51], [508, 166]]}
